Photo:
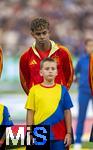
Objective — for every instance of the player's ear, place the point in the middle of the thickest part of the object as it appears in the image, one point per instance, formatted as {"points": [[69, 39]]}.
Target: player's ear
{"points": [[32, 33]]}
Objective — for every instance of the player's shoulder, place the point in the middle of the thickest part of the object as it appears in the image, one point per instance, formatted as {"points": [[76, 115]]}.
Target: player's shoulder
{"points": [[0, 50], [3, 107], [64, 89], [62, 47], [1, 55], [82, 57], [64, 50], [25, 53], [35, 87]]}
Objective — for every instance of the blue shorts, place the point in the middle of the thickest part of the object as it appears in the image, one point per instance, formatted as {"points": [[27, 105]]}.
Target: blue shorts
{"points": [[57, 145]]}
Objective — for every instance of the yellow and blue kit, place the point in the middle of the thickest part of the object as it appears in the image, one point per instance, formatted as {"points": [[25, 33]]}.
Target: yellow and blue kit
{"points": [[49, 104]]}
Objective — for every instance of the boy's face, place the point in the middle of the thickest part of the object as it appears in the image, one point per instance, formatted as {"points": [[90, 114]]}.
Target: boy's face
{"points": [[41, 36], [89, 47], [49, 71]]}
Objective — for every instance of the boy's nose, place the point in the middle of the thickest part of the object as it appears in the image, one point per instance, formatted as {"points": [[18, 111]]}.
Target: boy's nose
{"points": [[42, 36]]}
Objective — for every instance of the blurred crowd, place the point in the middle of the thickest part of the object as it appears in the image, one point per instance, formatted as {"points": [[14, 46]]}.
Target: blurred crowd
{"points": [[71, 23]]}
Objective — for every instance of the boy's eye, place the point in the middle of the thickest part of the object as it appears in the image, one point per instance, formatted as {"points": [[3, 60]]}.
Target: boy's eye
{"points": [[44, 32], [53, 68], [38, 34], [47, 68]]}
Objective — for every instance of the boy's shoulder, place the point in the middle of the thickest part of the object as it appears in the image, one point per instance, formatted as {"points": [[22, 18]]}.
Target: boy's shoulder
{"points": [[35, 87], [1, 107]]}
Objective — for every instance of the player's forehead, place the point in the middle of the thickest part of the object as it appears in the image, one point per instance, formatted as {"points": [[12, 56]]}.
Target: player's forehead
{"points": [[41, 30]]}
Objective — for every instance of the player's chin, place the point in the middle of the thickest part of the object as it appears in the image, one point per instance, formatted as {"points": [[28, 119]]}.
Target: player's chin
{"points": [[50, 79], [42, 42]]}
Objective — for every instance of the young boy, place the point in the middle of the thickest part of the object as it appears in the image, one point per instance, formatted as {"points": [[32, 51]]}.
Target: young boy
{"points": [[42, 48], [49, 103]]}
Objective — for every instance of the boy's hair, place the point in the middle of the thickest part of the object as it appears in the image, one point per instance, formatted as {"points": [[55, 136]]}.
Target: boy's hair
{"points": [[88, 40], [45, 60], [38, 24]]}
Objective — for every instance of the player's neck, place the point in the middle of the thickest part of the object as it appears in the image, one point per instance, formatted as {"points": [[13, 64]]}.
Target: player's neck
{"points": [[43, 46]]}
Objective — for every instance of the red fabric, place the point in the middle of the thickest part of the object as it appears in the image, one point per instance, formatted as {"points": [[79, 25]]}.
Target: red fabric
{"points": [[91, 73], [59, 130], [43, 54], [30, 66]]}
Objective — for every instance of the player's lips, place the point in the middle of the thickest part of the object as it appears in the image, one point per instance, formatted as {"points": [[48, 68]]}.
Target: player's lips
{"points": [[42, 41], [50, 75]]}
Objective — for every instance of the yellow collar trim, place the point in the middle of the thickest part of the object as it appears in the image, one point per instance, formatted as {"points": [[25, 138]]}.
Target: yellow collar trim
{"points": [[54, 48]]}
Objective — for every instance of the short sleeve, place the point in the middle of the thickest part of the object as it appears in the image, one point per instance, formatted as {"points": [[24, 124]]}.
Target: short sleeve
{"points": [[30, 103], [67, 103], [7, 121]]}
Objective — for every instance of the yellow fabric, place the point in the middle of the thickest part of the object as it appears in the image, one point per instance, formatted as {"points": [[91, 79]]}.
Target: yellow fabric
{"points": [[1, 113], [44, 101]]}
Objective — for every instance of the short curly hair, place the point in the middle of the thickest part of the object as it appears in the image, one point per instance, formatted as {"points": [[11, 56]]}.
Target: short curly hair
{"points": [[38, 24]]}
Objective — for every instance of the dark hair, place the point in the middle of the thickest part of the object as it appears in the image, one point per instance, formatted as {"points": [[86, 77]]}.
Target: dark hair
{"points": [[45, 60], [88, 40], [38, 24]]}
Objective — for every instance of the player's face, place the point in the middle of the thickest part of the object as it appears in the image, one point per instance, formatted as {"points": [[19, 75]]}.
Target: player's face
{"points": [[89, 47], [41, 36], [49, 71]]}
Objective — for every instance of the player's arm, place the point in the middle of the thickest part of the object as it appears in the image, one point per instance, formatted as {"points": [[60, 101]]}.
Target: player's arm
{"points": [[1, 61], [30, 106], [30, 117], [68, 69], [68, 121], [23, 72], [30, 120], [2, 140], [23, 82], [77, 70], [67, 105]]}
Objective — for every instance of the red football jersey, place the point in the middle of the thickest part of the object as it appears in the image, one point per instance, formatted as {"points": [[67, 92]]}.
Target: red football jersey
{"points": [[91, 72], [30, 66]]}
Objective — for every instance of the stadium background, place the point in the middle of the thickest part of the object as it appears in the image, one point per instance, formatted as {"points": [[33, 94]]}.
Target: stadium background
{"points": [[71, 22]]}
